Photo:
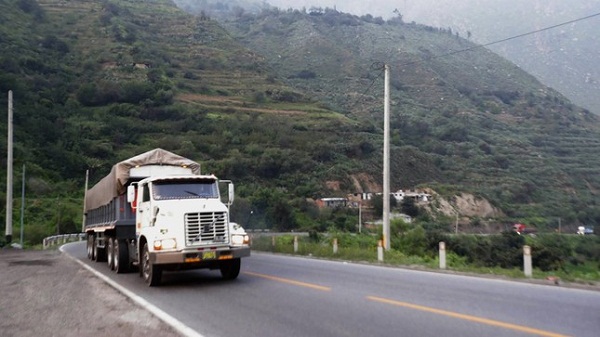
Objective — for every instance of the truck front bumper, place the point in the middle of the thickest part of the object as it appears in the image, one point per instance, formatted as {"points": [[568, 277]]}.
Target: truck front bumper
{"points": [[196, 256]]}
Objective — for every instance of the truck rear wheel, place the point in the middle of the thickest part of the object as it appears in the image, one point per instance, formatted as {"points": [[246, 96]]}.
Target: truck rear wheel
{"points": [[230, 269], [110, 253], [150, 272], [90, 246], [120, 257]]}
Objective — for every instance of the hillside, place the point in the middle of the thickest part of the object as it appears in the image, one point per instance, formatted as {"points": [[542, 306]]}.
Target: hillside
{"points": [[482, 122], [288, 105], [563, 58]]}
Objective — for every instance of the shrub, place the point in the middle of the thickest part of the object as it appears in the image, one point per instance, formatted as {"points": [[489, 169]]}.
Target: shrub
{"points": [[413, 242], [305, 75]]}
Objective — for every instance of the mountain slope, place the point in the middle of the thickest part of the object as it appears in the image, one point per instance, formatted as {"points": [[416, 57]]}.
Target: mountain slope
{"points": [[288, 105], [485, 123], [564, 58]]}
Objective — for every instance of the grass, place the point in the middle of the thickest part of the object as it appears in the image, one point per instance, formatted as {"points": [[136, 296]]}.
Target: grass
{"points": [[584, 273]]}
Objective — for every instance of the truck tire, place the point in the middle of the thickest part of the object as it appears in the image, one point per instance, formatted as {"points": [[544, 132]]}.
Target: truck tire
{"points": [[94, 249], [120, 257], [110, 253], [150, 272], [230, 269], [90, 246]]}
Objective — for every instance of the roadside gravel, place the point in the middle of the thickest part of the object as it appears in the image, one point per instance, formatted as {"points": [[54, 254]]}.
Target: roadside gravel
{"points": [[45, 293]]}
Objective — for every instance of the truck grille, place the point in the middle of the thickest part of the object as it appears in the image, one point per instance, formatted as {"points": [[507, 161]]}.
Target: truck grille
{"points": [[206, 228]]}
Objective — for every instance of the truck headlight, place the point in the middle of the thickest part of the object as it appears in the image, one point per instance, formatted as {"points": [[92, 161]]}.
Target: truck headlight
{"points": [[240, 239], [165, 244]]}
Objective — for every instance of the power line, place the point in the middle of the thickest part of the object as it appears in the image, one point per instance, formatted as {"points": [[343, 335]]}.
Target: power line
{"points": [[519, 35], [492, 43], [542, 29]]}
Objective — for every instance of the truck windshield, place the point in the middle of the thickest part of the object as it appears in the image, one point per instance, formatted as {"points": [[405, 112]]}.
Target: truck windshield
{"points": [[184, 189]]}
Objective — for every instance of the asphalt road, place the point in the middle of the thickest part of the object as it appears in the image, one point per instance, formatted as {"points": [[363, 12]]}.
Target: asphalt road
{"points": [[281, 295]]}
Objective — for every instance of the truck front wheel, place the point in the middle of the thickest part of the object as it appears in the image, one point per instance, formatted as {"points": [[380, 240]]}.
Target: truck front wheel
{"points": [[150, 272], [110, 250], [230, 269], [120, 257]]}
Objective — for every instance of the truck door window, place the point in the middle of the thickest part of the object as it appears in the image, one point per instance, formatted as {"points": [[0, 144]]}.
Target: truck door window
{"points": [[146, 193]]}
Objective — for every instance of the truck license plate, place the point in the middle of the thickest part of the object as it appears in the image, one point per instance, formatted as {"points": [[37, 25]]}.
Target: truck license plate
{"points": [[209, 255]]}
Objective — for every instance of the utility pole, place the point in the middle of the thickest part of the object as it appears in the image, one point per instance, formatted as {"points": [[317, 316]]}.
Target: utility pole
{"points": [[386, 160], [85, 188], [9, 171], [559, 225]]}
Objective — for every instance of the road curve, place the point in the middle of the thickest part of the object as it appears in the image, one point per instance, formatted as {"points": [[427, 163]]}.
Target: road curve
{"points": [[282, 295]]}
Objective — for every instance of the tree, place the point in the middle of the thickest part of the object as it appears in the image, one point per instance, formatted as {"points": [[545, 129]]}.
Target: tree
{"points": [[377, 202], [409, 207], [398, 19]]}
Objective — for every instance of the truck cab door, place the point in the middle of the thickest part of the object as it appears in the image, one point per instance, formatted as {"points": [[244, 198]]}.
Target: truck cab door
{"points": [[144, 210]]}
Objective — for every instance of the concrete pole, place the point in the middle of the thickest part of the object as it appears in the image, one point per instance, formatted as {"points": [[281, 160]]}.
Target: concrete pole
{"points": [[527, 261], [335, 246], [295, 244], [379, 251], [22, 205], [442, 255], [360, 216], [9, 171], [386, 160]]}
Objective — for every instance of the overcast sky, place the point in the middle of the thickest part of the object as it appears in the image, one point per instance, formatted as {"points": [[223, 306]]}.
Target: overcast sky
{"points": [[463, 15]]}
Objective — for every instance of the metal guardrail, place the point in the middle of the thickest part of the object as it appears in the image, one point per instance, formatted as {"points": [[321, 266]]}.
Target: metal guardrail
{"points": [[266, 232], [62, 238]]}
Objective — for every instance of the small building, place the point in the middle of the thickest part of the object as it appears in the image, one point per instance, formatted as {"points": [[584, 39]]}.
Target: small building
{"points": [[332, 202], [413, 194]]}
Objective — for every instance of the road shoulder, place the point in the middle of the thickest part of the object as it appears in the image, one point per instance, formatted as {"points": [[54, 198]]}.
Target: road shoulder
{"points": [[47, 293]]}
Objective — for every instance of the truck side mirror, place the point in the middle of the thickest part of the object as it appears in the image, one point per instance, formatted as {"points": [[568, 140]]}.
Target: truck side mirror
{"points": [[130, 193], [231, 193]]}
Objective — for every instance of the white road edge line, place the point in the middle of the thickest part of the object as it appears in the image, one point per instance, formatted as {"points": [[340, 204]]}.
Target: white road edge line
{"points": [[163, 316]]}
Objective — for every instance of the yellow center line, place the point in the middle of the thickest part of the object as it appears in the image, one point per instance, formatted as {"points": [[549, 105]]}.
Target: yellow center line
{"points": [[467, 317], [288, 281]]}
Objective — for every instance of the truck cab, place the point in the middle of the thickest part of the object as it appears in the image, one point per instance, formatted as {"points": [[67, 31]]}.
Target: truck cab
{"points": [[181, 223]]}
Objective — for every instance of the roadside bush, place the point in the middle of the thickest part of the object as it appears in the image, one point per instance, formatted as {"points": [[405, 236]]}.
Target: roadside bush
{"points": [[507, 250], [463, 245], [550, 252], [412, 242], [588, 248], [433, 241], [503, 250], [547, 258]]}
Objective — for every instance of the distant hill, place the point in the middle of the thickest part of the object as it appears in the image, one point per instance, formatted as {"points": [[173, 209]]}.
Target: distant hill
{"points": [[565, 58], [480, 121], [289, 105]]}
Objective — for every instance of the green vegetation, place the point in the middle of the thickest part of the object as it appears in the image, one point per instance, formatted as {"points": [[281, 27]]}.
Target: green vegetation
{"points": [[567, 257], [289, 106]]}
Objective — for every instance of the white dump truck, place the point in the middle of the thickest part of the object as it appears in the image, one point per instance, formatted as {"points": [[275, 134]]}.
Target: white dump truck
{"points": [[156, 212]]}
